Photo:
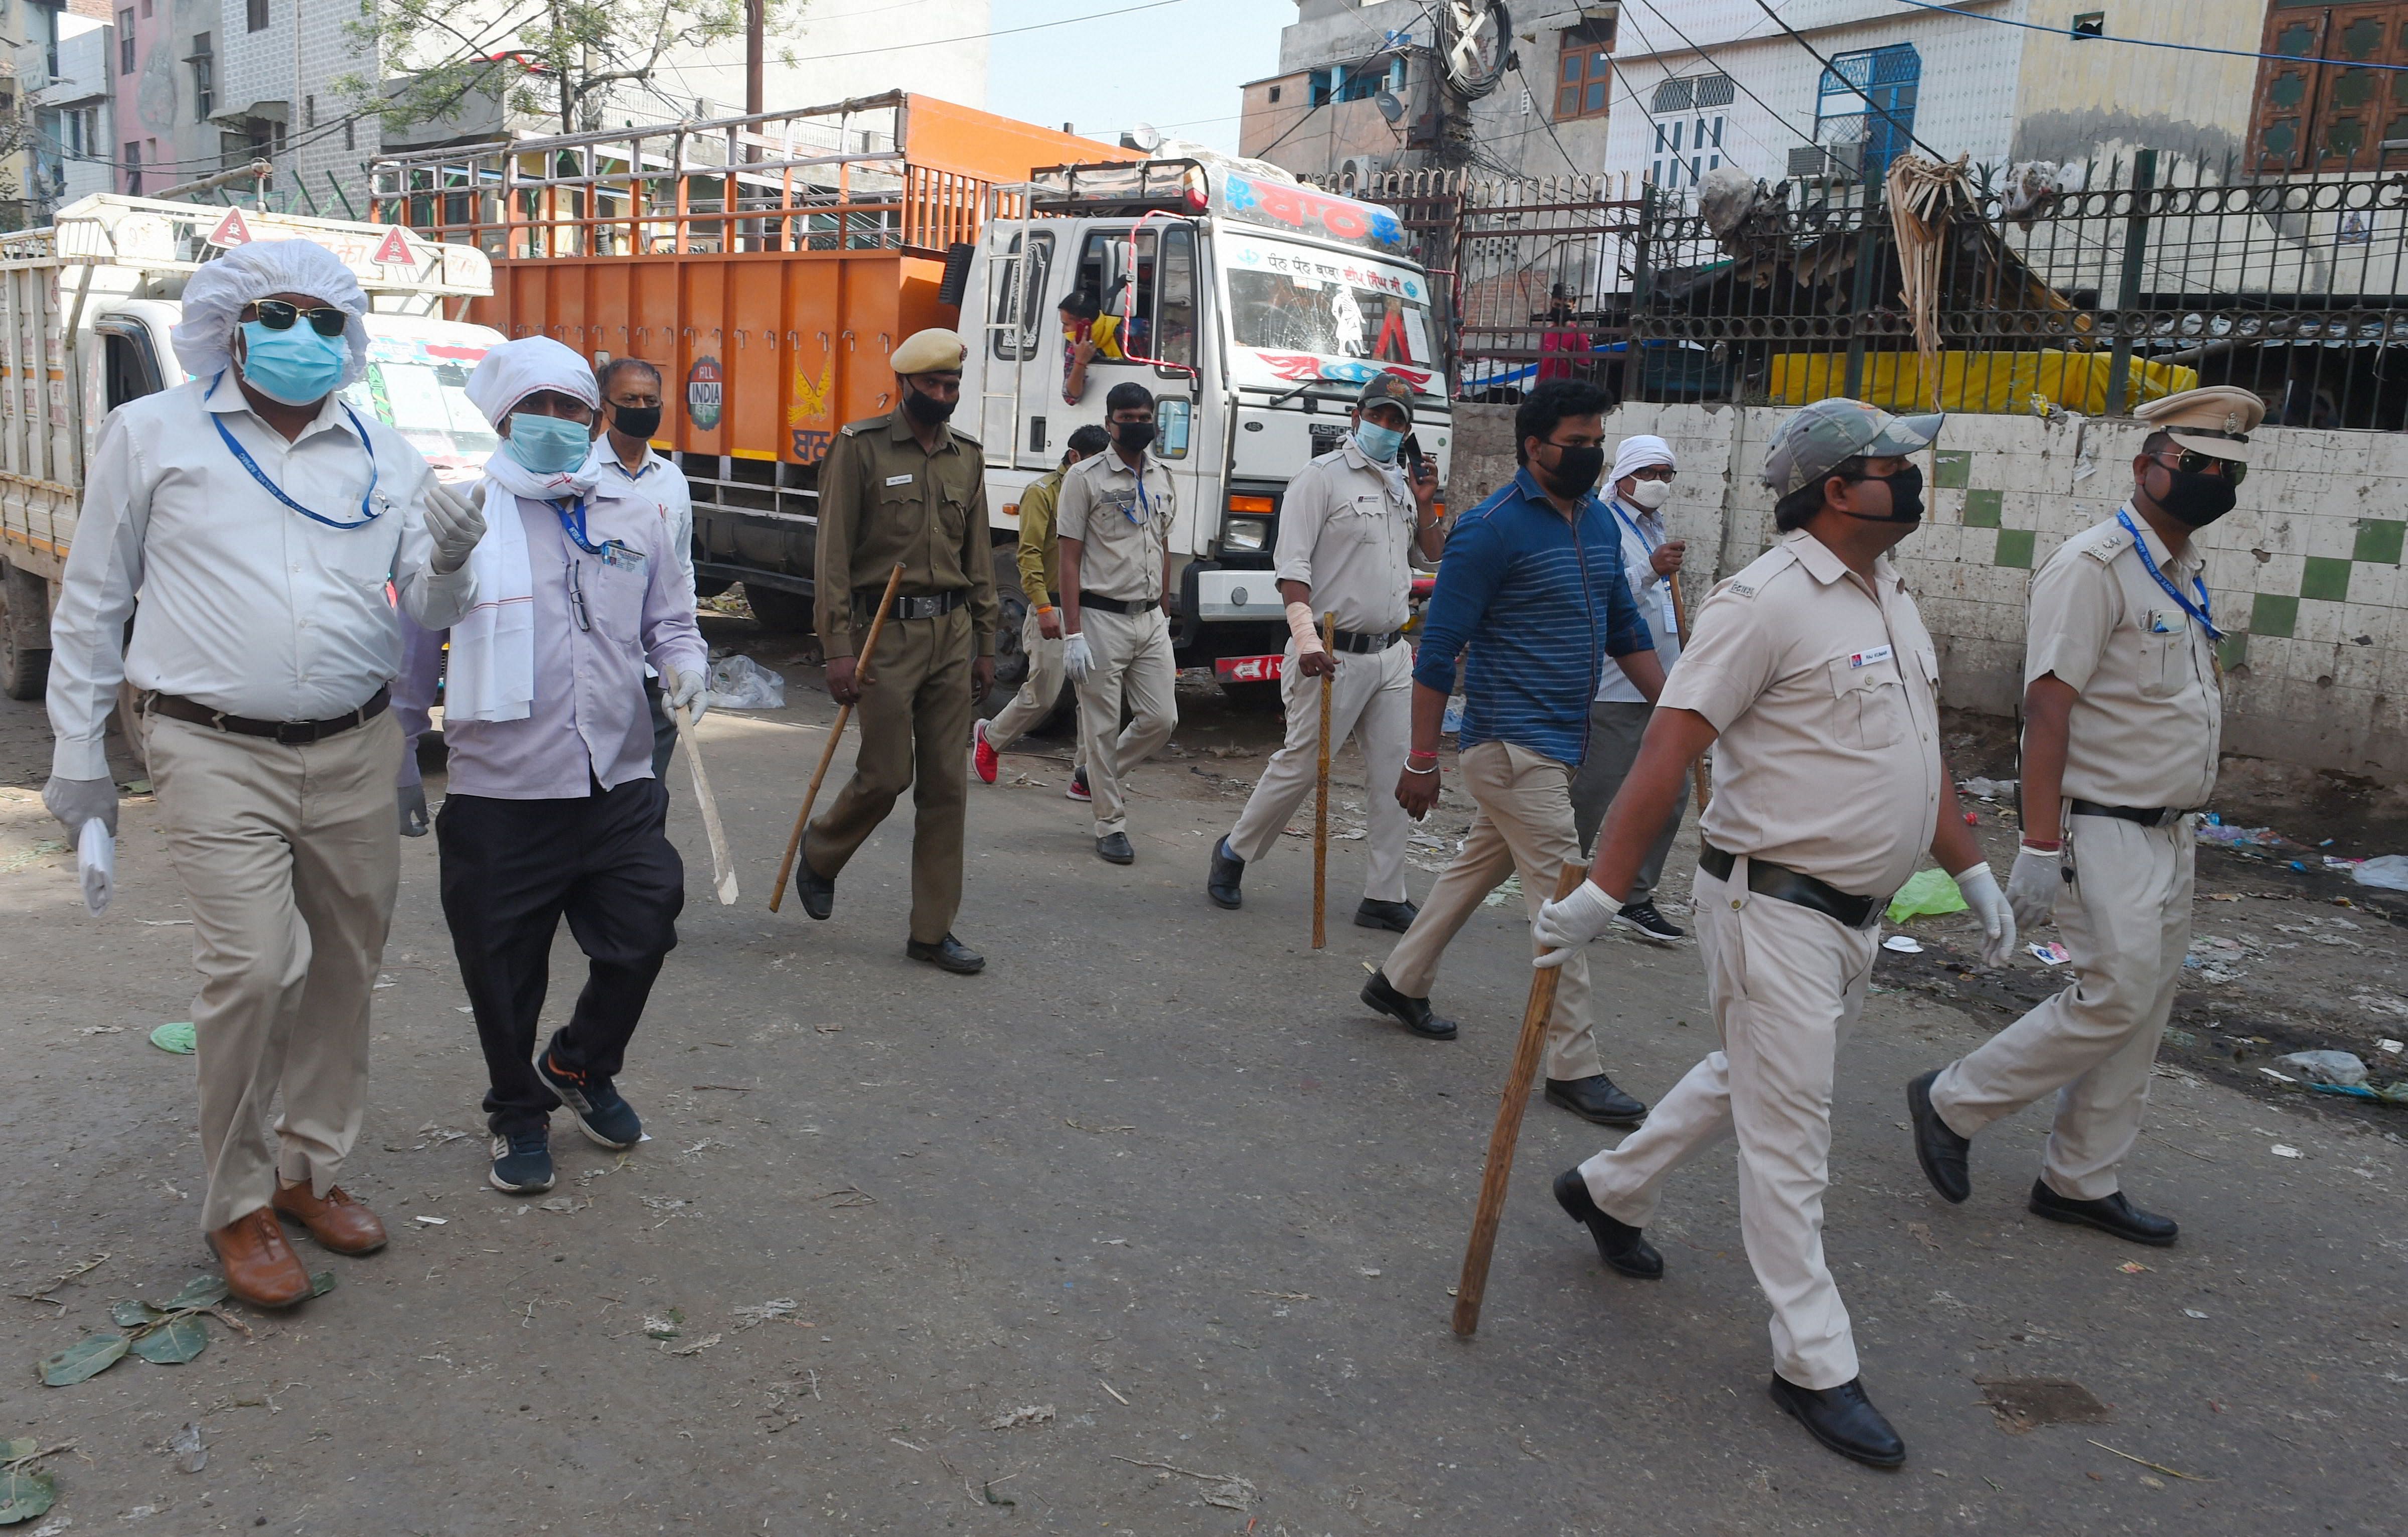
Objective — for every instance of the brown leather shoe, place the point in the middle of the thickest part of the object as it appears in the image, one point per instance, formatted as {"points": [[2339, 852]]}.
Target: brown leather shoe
{"points": [[260, 1266], [338, 1223]]}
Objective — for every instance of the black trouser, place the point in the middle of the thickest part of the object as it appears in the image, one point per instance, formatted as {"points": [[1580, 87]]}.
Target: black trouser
{"points": [[512, 869], [663, 730]]}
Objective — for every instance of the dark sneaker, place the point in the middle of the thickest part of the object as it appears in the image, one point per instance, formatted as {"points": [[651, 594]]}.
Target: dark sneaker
{"points": [[522, 1162], [1642, 919], [607, 1120], [1078, 790], [982, 754]]}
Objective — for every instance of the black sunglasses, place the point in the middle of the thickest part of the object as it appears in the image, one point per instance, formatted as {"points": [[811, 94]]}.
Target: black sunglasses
{"points": [[2205, 464], [279, 314]]}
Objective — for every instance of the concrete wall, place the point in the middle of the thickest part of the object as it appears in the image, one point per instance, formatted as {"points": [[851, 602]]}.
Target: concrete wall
{"points": [[2305, 575]]}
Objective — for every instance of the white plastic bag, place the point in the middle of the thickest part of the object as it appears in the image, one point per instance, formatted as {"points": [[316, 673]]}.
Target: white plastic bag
{"points": [[96, 862], [2387, 870], [739, 682]]}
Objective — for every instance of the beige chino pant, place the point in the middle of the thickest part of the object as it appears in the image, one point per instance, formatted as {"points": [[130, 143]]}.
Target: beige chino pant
{"points": [[1785, 985], [1522, 826], [1374, 702], [289, 858], [1132, 661], [2127, 928], [1037, 694]]}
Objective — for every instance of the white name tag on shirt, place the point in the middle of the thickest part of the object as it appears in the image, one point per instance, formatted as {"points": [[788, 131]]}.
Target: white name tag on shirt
{"points": [[1866, 658], [901, 480], [619, 555]]}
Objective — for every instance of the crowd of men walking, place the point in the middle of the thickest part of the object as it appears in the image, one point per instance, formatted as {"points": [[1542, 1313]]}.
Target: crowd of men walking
{"points": [[262, 524]]}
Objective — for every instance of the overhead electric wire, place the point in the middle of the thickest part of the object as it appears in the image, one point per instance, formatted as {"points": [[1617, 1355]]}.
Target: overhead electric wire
{"points": [[1871, 105], [2142, 42], [1709, 58]]}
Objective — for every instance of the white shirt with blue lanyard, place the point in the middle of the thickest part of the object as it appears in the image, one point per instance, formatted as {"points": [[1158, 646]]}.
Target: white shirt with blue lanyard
{"points": [[1641, 532]]}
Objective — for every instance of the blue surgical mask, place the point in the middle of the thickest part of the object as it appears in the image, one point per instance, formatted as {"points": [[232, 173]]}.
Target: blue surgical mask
{"points": [[297, 364], [1377, 442], [547, 444]]}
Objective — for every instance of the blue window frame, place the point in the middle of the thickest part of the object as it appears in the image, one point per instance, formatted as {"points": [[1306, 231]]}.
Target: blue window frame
{"points": [[1884, 127]]}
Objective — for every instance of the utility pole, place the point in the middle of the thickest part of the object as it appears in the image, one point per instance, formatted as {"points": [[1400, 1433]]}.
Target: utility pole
{"points": [[753, 48]]}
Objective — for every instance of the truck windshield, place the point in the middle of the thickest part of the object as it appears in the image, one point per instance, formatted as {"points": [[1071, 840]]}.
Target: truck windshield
{"points": [[1304, 302], [426, 399]]}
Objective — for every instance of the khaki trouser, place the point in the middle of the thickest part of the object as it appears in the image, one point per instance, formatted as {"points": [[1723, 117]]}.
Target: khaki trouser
{"points": [[915, 715], [1036, 695], [2127, 929], [289, 858], [1133, 660], [1522, 826], [1615, 729], [1373, 700], [1785, 984]]}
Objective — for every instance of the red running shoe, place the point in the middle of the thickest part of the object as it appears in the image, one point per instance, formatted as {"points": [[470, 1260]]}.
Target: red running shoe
{"points": [[982, 756]]}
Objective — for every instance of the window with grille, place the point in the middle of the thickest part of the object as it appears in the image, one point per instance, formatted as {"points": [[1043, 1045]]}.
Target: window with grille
{"points": [[204, 78], [125, 42], [2322, 103], [1689, 127], [1585, 71], [1864, 107]]}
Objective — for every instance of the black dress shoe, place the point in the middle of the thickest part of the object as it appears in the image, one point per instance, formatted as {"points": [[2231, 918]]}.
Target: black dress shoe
{"points": [[1413, 1014], [1596, 1099], [949, 953], [1221, 880], [1624, 1248], [1396, 917], [1941, 1151], [2109, 1215], [816, 890], [1114, 848], [1844, 1419]]}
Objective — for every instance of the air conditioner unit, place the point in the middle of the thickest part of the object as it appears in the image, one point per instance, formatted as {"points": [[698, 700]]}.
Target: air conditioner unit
{"points": [[1356, 173], [1826, 163]]}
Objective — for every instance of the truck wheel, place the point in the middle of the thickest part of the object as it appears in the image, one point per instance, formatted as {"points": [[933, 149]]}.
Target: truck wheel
{"points": [[777, 609], [24, 667]]}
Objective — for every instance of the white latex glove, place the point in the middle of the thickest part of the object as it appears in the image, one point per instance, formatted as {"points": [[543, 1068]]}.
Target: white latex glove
{"points": [[77, 801], [96, 863], [1574, 921], [1980, 889], [2034, 885], [455, 524], [686, 691], [410, 802], [1077, 660]]}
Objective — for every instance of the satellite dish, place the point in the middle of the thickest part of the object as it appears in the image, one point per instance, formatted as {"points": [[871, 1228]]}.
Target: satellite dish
{"points": [[1145, 138], [1390, 108]]}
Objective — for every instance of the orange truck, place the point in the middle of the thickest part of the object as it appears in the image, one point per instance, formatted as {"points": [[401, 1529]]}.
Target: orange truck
{"points": [[769, 264]]}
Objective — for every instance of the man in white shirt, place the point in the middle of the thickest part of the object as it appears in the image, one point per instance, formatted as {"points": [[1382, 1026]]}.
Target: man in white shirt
{"points": [[629, 469], [1641, 479], [260, 518]]}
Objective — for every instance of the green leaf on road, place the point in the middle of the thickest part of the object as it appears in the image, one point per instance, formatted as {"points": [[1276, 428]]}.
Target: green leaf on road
{"points": [[321, 1283], [176, 1038], [25, 1493], [134, 1314], [201, 1291], [18, 1449], [87, 1357], [173, 1343]]}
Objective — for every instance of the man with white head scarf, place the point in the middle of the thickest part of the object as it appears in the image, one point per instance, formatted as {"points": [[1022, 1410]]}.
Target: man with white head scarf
{"points": [[261, 517], [552, 809], [1639, 483]]}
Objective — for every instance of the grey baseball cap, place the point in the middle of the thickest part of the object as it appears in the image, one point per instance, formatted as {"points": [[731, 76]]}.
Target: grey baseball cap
{"points": [[1818, 439]]}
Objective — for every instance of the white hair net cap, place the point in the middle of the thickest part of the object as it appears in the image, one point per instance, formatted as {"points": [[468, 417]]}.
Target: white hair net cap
{"points": [[516, 370], [215, 294], [1638, 452]]}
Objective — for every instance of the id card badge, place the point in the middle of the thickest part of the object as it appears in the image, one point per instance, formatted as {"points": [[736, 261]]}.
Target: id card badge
{"points": [[619, 558]]}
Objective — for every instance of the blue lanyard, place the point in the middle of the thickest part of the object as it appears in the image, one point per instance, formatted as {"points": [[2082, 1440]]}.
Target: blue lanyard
{"points": [[2198, 611], [1628, 522], [1145, 513], [572, 523], [366, 517]]}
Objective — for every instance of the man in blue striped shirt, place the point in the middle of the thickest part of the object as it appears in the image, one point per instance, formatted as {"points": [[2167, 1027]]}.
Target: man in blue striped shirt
{"points": [[1531, 594]]}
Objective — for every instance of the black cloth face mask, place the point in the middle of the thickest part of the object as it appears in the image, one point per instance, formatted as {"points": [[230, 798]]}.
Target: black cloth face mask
{"points": [[2197, 498], [1576, 472], [1905, 496], [637, 420], [1133, 436], [927, 407]]}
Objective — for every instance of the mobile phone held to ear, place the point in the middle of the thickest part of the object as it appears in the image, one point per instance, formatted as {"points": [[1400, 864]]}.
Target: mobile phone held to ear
{"points": [[1413, 460]]}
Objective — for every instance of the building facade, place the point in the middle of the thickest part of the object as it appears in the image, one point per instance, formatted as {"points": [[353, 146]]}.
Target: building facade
{"points": [[55, 107]]}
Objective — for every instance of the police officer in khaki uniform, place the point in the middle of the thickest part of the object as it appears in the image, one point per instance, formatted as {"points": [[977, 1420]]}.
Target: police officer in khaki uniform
{"points": [[2122, 715], [1351, 527], [1813, 679], [1114, 519], [905, 487]]}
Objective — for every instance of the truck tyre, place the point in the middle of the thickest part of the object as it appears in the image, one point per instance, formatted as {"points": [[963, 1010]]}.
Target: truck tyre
{"points": [[777, 609], [24, 623]]}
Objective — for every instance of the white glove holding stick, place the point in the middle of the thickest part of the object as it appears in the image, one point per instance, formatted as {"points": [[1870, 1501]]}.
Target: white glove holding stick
{"points": [[1574, 921], [96, 862], [1077, 659], [681, 690], [2035, 883], [454, 524], [1980, 889]]}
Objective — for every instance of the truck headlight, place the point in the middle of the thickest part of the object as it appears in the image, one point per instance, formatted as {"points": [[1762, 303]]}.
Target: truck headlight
{"points": [[1245, 534]]}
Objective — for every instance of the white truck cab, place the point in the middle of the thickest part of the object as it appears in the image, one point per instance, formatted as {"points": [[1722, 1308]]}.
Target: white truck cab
{"points": [[1254, 307]]}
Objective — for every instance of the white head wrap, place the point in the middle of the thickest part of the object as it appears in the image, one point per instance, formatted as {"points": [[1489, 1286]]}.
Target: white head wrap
{"points": [[516, 370], [215, 294], [1638, 452]]}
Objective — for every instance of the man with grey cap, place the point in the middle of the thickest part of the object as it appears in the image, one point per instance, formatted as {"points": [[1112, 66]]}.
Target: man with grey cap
{"points": [[1352, 526], [260, 518], [1812, 676], [2122, 716], [906, 488]]}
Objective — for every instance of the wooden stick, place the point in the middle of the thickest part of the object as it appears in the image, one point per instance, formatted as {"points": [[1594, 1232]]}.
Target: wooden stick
{"points": [[827, 754], [1507, 1130], [723, 871], [1321, 792], [1681, 631]]}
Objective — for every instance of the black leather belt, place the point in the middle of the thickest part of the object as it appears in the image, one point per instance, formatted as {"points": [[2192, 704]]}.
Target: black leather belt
{"points": [[1116, 605], [2147, 816], [933, 606], [288, 733], [1783, 883], [1359, 642]]}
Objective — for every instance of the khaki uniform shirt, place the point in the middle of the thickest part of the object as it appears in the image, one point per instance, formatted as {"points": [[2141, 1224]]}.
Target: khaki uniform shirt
{"points": [[1040, 549], [1124, 538], [1825, 692], [884, 498], [1346, 530], [2148, 716]]}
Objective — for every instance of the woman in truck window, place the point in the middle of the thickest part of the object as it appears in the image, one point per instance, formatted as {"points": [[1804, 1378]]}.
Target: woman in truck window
{"points": [[1087, 334]]}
